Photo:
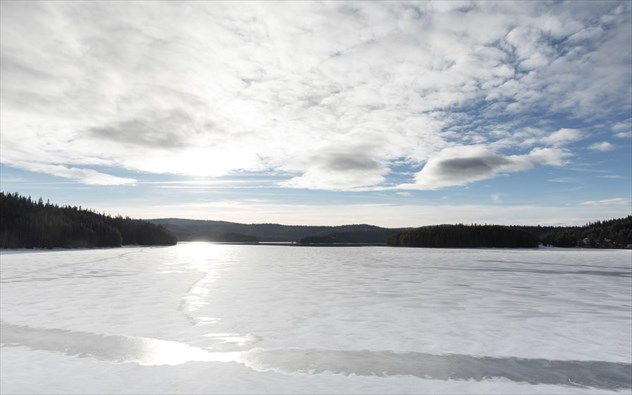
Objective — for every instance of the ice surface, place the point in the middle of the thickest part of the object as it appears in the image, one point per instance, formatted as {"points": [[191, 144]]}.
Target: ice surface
{"points": [[204, 318]]}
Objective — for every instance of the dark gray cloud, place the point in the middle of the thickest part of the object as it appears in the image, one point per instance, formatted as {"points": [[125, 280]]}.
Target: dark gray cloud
{"points": [[465, 164], [465, 168], [350, 162], [174, 129]]}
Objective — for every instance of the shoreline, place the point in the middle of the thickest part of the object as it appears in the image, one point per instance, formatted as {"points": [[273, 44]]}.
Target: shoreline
{"points": [[9, 251]]}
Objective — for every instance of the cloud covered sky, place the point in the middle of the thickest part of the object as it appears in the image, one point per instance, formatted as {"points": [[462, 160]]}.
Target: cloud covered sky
{"points": [[363, 105]]}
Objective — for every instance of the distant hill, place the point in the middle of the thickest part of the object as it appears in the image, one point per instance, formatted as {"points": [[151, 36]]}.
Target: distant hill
{"points": [[205, 230], [616, 233], [25, 223]]}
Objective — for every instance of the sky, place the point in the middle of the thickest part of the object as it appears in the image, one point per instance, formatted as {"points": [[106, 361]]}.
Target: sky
{"points": [[388, 113]]}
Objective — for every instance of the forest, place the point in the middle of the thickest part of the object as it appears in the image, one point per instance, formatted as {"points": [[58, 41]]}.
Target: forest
{"points": [[465, 236], [25, 223], [364, 237]]}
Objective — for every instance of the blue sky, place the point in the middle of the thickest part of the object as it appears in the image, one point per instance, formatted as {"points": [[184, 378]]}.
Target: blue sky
{"points": [[390, 113]]}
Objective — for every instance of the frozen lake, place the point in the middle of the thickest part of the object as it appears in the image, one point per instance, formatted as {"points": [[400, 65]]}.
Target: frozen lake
{"points": [[205, 318]]}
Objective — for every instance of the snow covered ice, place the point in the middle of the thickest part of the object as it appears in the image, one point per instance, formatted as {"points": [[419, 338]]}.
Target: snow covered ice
{"points": [[209, 318]]}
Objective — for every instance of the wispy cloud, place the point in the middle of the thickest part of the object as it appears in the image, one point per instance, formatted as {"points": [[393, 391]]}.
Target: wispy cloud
{"points": [[608, 202], [623, 129], [496, 197], [85, 176], [329, 94], [612, 176], [565, 180], [563, 136]]}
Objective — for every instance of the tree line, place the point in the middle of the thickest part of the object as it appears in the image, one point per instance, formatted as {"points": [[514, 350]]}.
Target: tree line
{"points": [[614, 233], [26, 223]]}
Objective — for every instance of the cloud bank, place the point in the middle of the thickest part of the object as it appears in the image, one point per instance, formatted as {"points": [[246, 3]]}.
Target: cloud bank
{"points": [[330, 94]]}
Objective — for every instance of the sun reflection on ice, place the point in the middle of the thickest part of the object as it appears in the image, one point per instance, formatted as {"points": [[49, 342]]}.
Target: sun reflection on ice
{"points": [[234, 338], [124, 349], [153, 352], [210, 260]]}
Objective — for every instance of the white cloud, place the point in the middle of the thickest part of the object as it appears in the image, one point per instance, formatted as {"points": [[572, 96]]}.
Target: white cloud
{"points": [[608, 202], [622, 126], [603, 146], [330, 93], [563, 136], [623, 130]]}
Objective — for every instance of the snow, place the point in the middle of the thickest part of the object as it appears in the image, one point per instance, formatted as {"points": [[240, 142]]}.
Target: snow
{"points": [[210, 318]]}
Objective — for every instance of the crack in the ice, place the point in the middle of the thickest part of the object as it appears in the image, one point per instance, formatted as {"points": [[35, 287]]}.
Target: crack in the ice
{"points": [[149, 351]]}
